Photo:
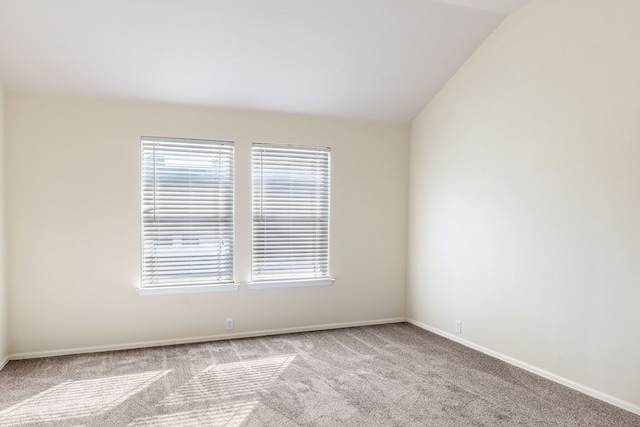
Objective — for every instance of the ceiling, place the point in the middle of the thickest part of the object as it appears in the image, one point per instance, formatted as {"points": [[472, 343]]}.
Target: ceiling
{"points": [[363, 59]]}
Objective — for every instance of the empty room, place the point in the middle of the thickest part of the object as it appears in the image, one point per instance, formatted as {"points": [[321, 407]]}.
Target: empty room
{"points": [[321, 213]]}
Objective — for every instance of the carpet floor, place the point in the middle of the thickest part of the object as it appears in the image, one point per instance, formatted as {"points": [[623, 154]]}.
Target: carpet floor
{"points": [[386, 375]]}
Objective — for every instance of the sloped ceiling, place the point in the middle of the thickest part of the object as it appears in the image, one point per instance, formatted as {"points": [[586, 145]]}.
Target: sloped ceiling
{"points": [[364, 59]]}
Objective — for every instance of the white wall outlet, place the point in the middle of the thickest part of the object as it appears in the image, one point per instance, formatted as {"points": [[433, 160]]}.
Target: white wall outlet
{"points": [[458, 326], [228, 323]]}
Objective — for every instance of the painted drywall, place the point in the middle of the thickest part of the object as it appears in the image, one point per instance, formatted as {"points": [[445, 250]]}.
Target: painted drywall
{"points": [[4, 341], [73, 223], [525, 196]]}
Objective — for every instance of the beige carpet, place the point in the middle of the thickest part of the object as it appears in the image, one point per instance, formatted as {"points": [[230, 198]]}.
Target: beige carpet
{"points": [[389, 375]]}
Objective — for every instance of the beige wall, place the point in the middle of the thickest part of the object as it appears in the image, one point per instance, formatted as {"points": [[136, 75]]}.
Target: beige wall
{"points": [[73, 224], [4, 343], [525, 196]]}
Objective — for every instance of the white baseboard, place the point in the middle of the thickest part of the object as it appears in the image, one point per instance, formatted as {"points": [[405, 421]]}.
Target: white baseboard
{"points": [[541, 372], [4, 362], [190, 340]]}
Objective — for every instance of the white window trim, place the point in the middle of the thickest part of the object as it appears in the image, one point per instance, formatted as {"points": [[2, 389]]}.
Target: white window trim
{"points": [[186, 289], [295, 283]]}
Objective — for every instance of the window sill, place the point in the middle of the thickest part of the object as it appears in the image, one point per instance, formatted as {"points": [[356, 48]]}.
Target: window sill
{"points": [[186, 289], [302, 283]]}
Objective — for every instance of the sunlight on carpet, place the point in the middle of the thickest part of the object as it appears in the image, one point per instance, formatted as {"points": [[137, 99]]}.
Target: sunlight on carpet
{"points": [[231, 380], [75, 399], [222, 415], [227, 391]]}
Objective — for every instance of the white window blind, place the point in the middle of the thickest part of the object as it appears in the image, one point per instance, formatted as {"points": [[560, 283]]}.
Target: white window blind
{"points": [[290, 212], [187, 212]]}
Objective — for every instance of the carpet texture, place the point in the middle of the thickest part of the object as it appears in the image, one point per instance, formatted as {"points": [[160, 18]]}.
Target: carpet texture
{"points": [[387, 375]]}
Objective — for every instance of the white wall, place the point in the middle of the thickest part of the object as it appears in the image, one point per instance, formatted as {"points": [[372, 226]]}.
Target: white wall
{"points": [[525, 196], [73, 223], [4, 343]]}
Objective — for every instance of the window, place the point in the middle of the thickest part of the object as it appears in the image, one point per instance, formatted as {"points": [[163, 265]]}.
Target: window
{"points": [[290, 214], [187, 212]]}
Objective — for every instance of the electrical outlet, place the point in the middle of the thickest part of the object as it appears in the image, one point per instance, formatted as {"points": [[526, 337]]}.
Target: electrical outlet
{"points": [[458, 326], [228, 324]]}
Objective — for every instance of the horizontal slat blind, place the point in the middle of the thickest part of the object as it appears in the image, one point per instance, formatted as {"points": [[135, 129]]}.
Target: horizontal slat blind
{"points": [[187, 212], [290, 212]]}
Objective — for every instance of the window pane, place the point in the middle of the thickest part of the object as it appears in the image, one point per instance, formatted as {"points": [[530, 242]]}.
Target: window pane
{"points": [[290, 212], [187, 212]]}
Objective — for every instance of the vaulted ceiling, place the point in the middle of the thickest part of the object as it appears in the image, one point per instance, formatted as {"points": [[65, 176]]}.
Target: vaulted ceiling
{"points": [[364, 59]]}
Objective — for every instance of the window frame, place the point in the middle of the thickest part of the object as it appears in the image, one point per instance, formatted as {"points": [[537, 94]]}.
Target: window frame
{"points": [[282, 281], [189, 284]]}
